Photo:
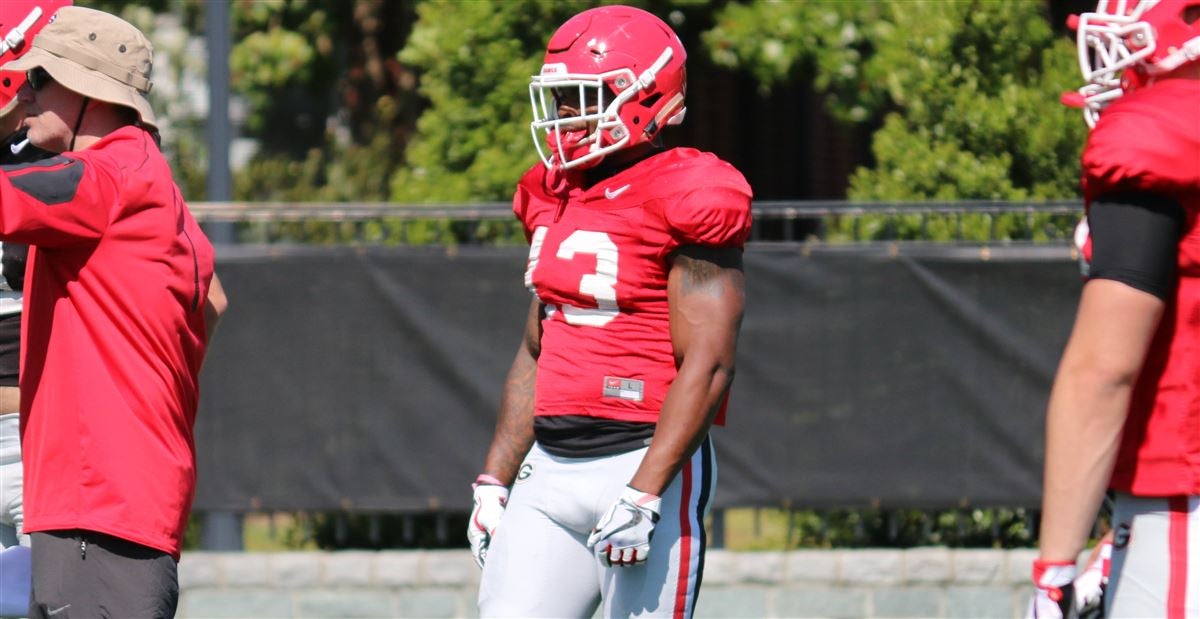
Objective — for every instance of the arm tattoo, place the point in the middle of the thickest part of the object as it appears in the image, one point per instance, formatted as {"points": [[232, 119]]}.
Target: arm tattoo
{"points": [[514, 426], [704, 268], [514, 429]]}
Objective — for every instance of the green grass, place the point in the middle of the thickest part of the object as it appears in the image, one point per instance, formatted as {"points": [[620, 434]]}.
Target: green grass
{"points": [[276, 532], [755, 529]]}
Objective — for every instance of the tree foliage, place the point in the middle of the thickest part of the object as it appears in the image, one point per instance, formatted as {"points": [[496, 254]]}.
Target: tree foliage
{"points": [[180, 116], [427, 101], [966, 92], [475, 59], [283, 62], [330, 104], [779, 42]]}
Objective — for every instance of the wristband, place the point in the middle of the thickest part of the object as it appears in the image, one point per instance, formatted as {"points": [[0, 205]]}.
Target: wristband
{"points": [[487, 480]]}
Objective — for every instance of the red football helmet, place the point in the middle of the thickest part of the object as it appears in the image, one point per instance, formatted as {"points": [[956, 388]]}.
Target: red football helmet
{"points": [[19, 21], [1151, 37], [622, 69]]}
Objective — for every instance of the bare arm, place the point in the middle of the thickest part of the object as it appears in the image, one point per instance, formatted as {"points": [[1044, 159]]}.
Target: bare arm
{"points": [[214, 306], [1088, 407], [514, 427], [706, 296]]}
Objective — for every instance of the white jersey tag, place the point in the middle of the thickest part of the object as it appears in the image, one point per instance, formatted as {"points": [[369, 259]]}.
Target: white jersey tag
{"points": [[624, 388]]}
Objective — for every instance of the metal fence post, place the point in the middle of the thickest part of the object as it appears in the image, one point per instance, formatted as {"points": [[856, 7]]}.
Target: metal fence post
{"points": [[223, 531], [718, 528], [219, 182]]}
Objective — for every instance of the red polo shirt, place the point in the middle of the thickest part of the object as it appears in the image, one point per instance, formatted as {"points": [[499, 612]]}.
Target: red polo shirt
{"points": [[113, 339]]}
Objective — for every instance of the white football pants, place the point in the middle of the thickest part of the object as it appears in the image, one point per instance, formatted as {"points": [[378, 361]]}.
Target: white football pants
{"points": [[1156, 558], [10, 482], [539, 565]]}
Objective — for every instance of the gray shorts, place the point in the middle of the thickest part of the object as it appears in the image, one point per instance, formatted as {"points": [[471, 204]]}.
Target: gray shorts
{"points": [[87, 574]]}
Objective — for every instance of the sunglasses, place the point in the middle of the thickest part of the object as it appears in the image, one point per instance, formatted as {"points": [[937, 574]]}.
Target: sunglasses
{"points": [[38, 78]]}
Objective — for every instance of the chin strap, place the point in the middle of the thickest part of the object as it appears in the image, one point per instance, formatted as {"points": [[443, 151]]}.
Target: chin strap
{"points": [[16, 37], [78, 122]]}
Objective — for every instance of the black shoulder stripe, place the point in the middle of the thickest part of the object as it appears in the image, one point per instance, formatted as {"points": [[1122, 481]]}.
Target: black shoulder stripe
{"points": [[52, 181], [47, 162]]}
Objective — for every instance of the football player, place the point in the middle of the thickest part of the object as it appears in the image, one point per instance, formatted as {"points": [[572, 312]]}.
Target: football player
{"points": [[20, 20], [1124, 412], [601, 470]]}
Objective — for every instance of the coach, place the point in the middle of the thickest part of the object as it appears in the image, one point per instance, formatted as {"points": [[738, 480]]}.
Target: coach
{"points": [[120, 302]]}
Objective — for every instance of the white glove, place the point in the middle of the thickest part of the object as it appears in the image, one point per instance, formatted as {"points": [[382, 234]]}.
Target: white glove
{"points": [[622, 537], [490, 499], [1092, 583], [1054, 595]]}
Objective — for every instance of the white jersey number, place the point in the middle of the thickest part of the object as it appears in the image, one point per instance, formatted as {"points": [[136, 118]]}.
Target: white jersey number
{"points": [[601, 285]]}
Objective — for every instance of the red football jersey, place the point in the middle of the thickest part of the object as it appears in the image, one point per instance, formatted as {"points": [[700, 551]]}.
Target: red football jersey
{"points": [[598, 260], [1149, 141]]}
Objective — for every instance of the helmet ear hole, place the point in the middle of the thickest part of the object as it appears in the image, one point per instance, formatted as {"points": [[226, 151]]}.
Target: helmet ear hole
{"points": [[1191, 15], [649, 102]]}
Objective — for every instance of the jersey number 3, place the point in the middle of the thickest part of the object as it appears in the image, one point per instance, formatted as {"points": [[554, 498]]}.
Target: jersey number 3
{"points": [[601, 285]]}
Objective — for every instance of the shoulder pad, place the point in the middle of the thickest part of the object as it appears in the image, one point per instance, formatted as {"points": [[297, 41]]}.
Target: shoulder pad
{"points": [[710, 204], [1149, 141]]}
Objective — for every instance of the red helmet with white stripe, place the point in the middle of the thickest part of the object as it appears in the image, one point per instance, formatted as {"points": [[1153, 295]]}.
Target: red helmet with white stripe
{"points": [[1125, 44], [19, 21], [621, 70]]}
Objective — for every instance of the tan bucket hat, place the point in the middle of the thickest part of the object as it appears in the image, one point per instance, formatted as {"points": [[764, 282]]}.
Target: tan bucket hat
{"points": [[97, 55]]}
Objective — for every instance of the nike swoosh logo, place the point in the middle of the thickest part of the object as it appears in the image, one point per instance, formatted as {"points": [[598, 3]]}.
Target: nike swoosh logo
{"points": [[612, 194], [51, 613]]}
